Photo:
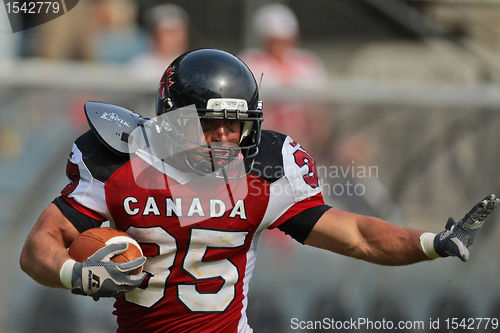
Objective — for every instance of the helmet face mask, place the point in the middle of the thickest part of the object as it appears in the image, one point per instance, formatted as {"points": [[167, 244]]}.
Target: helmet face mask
{"points": [[221, 87]]}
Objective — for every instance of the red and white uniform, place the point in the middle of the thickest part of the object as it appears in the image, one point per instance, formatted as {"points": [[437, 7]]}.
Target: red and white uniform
{"points": [[201, 247]]}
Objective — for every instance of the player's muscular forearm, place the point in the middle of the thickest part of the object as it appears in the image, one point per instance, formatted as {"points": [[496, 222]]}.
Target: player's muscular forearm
{"points": [[366, 238], [44, 251], [387, 244]]}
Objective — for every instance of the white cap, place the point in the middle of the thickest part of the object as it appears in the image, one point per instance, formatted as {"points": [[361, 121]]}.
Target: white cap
{"points": [[167, 16], [275, 20]]}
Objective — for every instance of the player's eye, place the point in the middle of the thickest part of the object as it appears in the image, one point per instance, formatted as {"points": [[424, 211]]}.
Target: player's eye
{"points": [[211, 124]]}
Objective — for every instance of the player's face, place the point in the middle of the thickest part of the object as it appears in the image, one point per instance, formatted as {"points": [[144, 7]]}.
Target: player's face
{"points": [[221, 131], [218, 134]]}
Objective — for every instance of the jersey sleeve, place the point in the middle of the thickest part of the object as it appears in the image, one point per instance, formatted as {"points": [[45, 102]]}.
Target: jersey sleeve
{"points": [[297, 190], [89, 165], [84, 192], [80, 220]]}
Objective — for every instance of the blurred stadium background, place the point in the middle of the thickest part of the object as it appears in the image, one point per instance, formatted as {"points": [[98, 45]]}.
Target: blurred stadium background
{"points": [[413, 87]]}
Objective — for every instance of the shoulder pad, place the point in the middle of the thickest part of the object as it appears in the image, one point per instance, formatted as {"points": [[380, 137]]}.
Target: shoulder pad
{"points": [[112, 124], [268, 163]]}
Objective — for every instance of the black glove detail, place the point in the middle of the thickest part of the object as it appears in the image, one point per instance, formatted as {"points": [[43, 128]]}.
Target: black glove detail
{"points": [[458, 236]]}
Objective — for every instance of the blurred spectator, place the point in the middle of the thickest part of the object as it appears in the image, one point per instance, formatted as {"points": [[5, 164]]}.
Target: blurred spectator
{"points": [[290, 69], [168, 28], [118, 38], [102, 30], [70, 36]]}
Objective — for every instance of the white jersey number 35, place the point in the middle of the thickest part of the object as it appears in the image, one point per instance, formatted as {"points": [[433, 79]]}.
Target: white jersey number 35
{"points": [[159, 266]]}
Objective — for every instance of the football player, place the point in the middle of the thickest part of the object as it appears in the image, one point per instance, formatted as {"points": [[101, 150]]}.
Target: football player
{"points": [[196, 187]]}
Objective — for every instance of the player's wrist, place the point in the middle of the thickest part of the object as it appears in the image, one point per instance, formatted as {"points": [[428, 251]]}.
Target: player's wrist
{"points": [[427, 244], [66, 273]]}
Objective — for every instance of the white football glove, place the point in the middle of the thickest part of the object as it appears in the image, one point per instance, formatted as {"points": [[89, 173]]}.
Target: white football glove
{"points": [[458, 236], [98, 276]]}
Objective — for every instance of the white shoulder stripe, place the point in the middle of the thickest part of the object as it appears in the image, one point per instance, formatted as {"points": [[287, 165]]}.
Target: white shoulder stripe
{"points": [[280, 200], [89, 192]]}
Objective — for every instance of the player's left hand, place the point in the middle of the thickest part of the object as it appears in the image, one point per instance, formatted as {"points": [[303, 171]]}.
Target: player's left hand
{"points": [[458, 236]]}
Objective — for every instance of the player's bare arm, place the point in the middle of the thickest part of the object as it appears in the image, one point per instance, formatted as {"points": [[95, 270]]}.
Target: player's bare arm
{"points": [[45, 258], [44, 250], [380, 242], [366, 238]]}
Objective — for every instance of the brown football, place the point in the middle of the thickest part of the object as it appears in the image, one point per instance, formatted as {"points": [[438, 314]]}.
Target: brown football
{"points": [[91, 240]]}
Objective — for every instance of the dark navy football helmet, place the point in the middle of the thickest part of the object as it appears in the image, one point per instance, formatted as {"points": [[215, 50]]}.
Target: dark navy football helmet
{"points": [[220, 86]]}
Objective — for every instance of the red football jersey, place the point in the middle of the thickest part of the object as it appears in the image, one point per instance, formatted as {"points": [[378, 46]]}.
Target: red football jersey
{"points": [[200, 236]]}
